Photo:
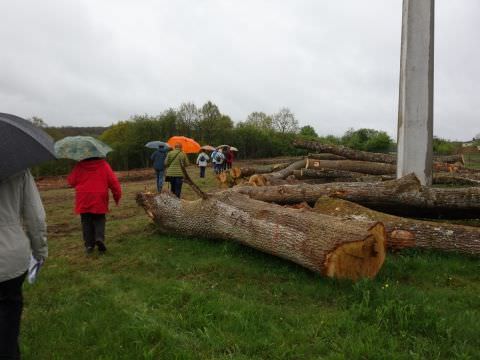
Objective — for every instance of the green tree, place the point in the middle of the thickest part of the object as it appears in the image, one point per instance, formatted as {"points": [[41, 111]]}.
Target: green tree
{"points": [[308, 132], [367, 140], [260, 120]]}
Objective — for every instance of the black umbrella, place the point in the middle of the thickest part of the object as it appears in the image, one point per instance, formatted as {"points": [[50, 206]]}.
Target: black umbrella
{"points": [[22, 145]]}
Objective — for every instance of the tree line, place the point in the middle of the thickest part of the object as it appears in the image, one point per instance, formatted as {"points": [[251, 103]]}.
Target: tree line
{"points": [[260, 135]]}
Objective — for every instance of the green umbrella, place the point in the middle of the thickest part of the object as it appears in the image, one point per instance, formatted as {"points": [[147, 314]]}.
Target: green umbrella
{"points": [[80, 148]]}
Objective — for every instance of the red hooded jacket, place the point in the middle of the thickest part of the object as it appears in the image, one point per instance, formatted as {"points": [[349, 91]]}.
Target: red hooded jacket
{"points": [[91, 180]]}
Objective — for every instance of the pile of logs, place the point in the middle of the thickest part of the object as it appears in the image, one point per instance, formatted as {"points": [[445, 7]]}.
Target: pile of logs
{"points": [[336, 212]]}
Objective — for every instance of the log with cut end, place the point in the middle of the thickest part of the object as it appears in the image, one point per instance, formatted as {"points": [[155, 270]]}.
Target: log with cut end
{"points": [[269, 179], [404, 196], [327, 245], [238, 172], [352, 154], [364, 167], [404, 232]]}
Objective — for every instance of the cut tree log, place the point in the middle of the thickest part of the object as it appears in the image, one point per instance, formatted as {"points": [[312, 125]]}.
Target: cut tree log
{"points": [[333, 175], [404, 196], [345, 152], [238, 172], [364, 167], [325, 156], [269, 179], [324, 244], [352, 154], [404, 232]]}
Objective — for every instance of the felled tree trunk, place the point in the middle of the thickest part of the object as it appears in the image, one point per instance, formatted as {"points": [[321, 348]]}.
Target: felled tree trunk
{"points": [[453, 179], [270, 178], [345, 152], [404, 232], [363, 167], [238, 172], [331, 174], [325, 156], [352, 154], [324, 244], [404, 196]]}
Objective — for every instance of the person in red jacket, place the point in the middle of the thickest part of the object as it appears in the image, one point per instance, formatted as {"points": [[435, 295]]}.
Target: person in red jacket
{"points": [[91, 179]]}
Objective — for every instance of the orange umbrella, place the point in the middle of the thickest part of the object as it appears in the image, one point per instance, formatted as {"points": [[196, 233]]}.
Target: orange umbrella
{"points": [[189, 146]]}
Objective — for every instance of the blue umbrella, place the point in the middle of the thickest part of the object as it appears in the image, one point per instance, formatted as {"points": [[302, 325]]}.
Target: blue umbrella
{"points": [[22, 145], [155, 144]]}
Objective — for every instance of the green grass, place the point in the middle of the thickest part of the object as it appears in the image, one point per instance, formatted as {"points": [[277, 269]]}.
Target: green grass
{"points": [[472, 161], [163, 297]]}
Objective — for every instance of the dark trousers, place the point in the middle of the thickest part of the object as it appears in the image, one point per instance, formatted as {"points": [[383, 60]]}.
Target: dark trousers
{"points": [[176, 185], [11, 305], [160, 179], [93, 227], [202, 171]]}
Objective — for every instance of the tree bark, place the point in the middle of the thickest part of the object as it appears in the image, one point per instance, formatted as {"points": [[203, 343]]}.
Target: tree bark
{"points": [[325, 156], [363, 167], [352, 154], [331, 174], [327, 245], [345, 152], [238, 172], [404, 232], [404, 196], [270, 178]]}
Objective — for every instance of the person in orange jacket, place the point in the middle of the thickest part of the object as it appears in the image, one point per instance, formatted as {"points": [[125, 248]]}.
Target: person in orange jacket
{"points": [[92, 178]]}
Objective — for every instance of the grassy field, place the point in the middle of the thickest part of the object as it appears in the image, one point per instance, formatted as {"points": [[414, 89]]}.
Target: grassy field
{"points": [[162, 297]]}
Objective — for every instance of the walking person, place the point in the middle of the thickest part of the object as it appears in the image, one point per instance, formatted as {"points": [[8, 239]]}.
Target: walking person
{"points": [[229, 158], [202, 162], [23, 233], [158, 158], [23, 229], [175, 160], [219, 160], [92, 178]]}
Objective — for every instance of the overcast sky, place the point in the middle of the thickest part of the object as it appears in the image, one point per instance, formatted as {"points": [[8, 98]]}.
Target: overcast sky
{"points": [[334, 63]]}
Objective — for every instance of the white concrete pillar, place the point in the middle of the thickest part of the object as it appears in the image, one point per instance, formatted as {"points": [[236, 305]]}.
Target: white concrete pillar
{"points": [[415, 113]]}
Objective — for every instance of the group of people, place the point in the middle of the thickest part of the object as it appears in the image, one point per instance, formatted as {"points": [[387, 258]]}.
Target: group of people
{"points": [[168, 164], [23, 224]]}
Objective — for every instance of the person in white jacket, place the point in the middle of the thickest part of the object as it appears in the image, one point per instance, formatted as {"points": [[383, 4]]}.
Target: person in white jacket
{"points": [[202, 162], [23, 233]]}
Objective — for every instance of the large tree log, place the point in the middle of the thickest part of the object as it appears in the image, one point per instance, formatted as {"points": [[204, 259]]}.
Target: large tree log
{"points": [[324, 244], [365, 155], [270, 179], [325, 156], [333, 175], [425, 234], [363, 167], [404, 196], [345, 152], [238, 172]]}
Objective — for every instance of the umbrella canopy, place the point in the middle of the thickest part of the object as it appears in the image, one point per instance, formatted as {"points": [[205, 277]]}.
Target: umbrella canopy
{"points": [[207, 148], [233, 148], [189, 146], [22, 145], [223, 146], [156, 144], [80, 148]]}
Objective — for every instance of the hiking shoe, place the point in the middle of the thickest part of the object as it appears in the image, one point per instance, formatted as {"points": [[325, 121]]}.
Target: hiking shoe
{"points": [[101, 247], [88, 250]]}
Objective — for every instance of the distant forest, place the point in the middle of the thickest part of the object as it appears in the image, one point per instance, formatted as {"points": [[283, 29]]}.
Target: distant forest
{"points": [[260, 135]]}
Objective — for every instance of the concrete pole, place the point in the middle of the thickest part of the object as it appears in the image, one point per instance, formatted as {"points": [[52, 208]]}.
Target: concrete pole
{"points": [[415, 113]]}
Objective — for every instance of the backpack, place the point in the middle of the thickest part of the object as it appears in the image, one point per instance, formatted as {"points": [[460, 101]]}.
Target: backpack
{"points": [[202, 158], [218, 158]]}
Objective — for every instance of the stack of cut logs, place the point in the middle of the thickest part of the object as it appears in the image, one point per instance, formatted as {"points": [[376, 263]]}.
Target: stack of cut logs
{"points": [[334, 212]]}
